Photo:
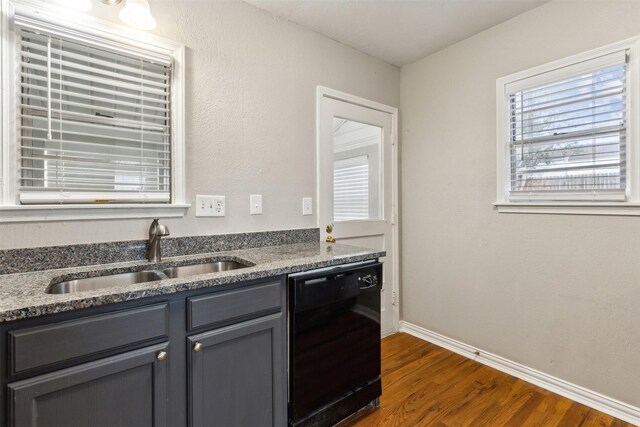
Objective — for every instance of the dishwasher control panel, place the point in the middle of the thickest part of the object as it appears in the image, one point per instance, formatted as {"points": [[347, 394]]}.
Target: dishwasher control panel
{"points": [[327, 285], [368, 281]]}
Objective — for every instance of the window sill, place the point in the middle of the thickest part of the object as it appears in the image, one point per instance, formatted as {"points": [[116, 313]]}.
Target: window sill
{"points": [[570, 208], [46, 213]]}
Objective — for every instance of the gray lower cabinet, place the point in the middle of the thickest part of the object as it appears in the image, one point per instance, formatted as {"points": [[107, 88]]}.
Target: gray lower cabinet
{"points": [[236, 375], [129, 389], [127, 365]]}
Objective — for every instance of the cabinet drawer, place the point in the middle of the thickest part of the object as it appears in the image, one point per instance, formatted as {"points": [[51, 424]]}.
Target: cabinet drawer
{"points": [[239, 304], [46, 345]]}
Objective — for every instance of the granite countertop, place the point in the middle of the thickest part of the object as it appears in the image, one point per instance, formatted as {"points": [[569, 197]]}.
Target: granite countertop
{"points": [[22, 295]]}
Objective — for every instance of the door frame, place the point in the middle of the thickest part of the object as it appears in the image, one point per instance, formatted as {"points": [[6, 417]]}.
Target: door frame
{"points": [[325, 92]]}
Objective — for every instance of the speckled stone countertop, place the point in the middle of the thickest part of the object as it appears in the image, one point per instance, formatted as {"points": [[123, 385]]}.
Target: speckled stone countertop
{"points": [[22, 295]]}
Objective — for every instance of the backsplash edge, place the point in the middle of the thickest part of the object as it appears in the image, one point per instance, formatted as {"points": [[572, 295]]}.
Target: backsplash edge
{"points": [[51, 257]]}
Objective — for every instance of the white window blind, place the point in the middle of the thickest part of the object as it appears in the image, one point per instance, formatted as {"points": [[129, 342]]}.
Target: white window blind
{"points": [[94, 121], [351, 188], [567, 133]]}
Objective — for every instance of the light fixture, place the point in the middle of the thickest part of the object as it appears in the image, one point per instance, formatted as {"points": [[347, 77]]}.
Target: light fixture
{"points": [[137, 13], [76, 4]]}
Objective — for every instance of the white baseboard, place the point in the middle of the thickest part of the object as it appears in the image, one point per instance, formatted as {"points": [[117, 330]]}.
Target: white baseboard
{"points": [[571, 391], [387, 332]]}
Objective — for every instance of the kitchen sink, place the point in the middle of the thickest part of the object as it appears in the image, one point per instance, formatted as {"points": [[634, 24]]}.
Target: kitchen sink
{"points": [[123, 279], [209, 267], [101, 282]]}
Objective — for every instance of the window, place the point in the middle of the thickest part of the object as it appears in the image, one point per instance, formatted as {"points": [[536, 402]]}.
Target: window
{"points": [[566, 134], [98, 120]]}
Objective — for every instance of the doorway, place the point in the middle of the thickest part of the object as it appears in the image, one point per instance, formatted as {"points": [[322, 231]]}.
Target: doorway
{"points": [[358, 183]]}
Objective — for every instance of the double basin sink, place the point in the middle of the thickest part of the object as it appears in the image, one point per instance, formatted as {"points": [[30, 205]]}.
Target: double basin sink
{"points": [[124, 279]]}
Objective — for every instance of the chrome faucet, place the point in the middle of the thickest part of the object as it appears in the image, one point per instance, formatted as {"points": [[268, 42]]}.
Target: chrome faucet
{"points": [[156, 231]]}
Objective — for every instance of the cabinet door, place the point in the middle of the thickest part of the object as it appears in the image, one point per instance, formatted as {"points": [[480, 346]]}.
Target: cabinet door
{"points": [[237, 375], [129, 389]]}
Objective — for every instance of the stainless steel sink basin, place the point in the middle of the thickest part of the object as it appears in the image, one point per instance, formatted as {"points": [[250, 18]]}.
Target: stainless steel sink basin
{"points": [[101, 282], [123, 279], [209, 267]]}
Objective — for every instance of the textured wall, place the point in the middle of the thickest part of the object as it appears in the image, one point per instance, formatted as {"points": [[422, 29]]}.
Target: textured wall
{"points": [[556, 293], [250, 118]]}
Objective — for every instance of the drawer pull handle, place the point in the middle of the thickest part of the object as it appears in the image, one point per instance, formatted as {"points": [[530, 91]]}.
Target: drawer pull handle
{"points": [[162, 356], [198, 347]]}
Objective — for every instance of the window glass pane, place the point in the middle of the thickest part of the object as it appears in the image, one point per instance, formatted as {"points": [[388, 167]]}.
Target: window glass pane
{"points": [[357, 171], [93, 121], [570, 134]]}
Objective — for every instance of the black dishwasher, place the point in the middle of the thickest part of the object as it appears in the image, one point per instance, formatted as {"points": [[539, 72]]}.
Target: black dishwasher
{"points": [[334, 342]]}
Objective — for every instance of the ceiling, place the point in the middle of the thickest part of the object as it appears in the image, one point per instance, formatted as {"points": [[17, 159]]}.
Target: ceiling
{"points": [[397, 31]]}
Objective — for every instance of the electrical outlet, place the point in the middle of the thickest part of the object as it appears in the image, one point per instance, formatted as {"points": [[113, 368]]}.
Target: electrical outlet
{"points": [[307, 206], [210, 206], [255, 204]]}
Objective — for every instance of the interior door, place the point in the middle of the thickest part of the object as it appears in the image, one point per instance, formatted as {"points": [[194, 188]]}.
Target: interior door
{"points": [[356, 185]]}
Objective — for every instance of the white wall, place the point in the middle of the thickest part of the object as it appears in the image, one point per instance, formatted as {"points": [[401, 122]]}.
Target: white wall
{"points": [[556, 293], [251, 81]]}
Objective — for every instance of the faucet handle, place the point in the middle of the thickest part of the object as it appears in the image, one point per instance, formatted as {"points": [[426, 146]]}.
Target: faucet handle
{"points": [[163, 230], [158, 229]]}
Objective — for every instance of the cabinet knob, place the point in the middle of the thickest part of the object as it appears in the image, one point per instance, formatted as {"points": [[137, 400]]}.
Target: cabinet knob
{"points": [[162, 356], [198, 347]]}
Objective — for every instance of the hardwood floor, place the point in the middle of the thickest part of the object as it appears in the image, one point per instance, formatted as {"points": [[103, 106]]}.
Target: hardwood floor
{"points": [[425, 385]]}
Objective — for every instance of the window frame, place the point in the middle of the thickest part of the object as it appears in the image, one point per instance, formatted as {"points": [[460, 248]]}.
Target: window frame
{"points": [[631, 204], [10, 208]]}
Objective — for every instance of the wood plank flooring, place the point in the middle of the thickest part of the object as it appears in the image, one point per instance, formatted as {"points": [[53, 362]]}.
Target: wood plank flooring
{"points": [[425, 385]]}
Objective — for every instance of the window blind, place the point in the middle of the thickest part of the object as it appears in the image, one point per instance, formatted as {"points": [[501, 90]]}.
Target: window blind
{"points": [[567, 135], [94, 121], [351, 189]]}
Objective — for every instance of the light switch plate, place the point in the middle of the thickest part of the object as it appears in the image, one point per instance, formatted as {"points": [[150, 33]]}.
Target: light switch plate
{"points": [[255, 204], [210, 206], [307, 206]]}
